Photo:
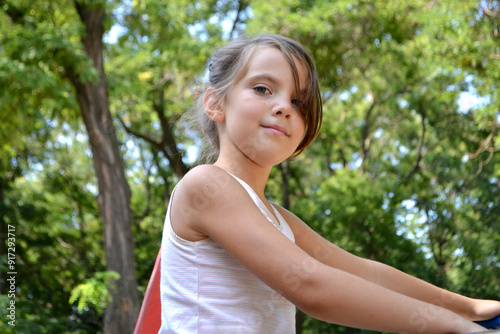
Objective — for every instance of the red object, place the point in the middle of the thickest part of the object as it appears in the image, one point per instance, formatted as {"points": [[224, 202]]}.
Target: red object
{"points": [[149, 320]]}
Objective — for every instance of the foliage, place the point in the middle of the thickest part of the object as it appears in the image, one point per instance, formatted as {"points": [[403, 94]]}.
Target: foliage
{"points": [[404, 171], [94, 291]]}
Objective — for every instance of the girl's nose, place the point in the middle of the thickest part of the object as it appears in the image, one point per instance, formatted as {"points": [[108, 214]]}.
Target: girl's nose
{"points": [[283, 108]]}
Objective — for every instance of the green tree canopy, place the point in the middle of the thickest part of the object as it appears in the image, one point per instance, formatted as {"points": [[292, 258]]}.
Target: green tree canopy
{"points": [[405, 170]]}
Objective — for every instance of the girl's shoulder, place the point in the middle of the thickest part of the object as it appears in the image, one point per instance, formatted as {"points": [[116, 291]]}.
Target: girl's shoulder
{"points": [[206, 187], [205, 179], [196, 199]]}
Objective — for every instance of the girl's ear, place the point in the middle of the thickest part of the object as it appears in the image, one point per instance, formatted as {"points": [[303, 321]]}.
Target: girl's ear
{"points": [[212, 105]]}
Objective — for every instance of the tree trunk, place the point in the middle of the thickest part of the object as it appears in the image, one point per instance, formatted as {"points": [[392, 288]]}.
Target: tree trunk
{"points": [[114, 194], [299, 316], [285, 189]]}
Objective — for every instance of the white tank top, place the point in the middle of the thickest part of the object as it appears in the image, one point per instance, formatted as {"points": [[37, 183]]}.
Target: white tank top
{"points": [[204, 290]]}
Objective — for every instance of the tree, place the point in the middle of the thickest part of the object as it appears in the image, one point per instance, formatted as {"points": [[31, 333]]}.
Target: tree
{"points": [[77, 55]]}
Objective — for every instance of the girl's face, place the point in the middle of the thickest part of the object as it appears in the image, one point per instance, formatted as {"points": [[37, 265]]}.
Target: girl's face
{"points": [[262, 121]]}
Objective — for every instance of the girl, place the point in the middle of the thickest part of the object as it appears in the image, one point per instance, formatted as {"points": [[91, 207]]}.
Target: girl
{"points": [[232, 262]]}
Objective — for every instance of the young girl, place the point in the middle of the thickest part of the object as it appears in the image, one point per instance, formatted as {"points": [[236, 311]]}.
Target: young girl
{"points": [[232, 262]]}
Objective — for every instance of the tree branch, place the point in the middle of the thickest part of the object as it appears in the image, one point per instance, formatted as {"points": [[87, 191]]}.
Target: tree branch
{"points": [[365, 131], [368, 122], [420, 143], [174, 156], [180, 170], [242, 5], [137, 134]]}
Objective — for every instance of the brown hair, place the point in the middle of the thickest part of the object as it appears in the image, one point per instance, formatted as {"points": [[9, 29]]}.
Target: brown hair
{"points": [[230, 63]]}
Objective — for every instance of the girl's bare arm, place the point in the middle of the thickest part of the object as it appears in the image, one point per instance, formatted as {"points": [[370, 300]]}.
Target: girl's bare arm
{"points": [[222, 210], [386, 276]]}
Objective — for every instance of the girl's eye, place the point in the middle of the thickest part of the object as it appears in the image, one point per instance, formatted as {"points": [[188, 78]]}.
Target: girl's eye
{"points": [[301, 107], [261, 89]]}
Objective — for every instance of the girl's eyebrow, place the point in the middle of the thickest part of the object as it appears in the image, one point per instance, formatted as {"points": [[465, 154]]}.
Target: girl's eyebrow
{"points": [[266, 77]]}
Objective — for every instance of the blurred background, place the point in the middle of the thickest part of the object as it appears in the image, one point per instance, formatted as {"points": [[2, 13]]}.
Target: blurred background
{"points": [[406, 169]]}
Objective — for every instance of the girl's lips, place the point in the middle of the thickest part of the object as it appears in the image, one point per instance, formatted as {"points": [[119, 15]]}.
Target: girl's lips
{"points": [[277, 129]]}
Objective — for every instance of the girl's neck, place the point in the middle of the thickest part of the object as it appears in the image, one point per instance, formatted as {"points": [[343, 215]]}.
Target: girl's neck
{"points": [[255, 176]]}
